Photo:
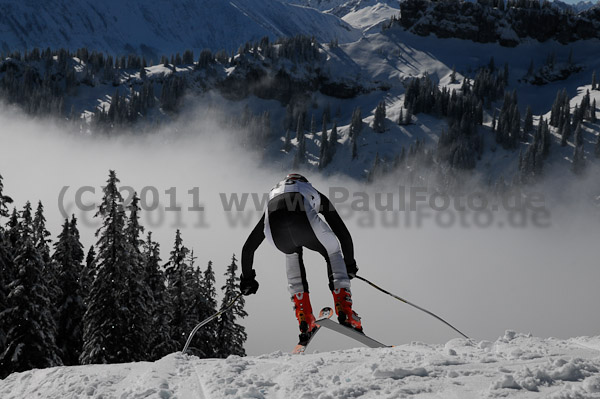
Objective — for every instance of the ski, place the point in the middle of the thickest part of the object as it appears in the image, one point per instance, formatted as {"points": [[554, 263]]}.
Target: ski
{"points": [[301, 348], [325, 321]]}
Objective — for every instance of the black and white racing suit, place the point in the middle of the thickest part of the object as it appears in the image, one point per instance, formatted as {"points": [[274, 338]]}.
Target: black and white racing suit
{"points": [[291, 222]]}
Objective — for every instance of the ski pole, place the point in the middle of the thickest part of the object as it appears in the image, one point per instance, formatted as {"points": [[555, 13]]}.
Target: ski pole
{"points": [[211, 318], [412, 304]]}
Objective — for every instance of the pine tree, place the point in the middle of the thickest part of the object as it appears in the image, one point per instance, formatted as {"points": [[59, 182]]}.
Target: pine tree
{"points": [[287, 144], [408, 117], [202, 305], [578, 135], [313, 124], [578, 160], [4, 199], [88, 274], [105, 320], [68, 257], [41, 241], [31, 336], [594, 82], [231, 336], [355, 124], [375, 169], [578, 154], [453, 75], [528, 123], [159, 341], [6, 267], [138, 296], [379, 118], [208, 336], [333, 141], [565, 133], [327, 114], [178, 274]]}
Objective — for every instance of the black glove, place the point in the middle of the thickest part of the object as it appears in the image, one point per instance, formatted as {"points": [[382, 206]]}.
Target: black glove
{"points": [[351, 269], [248, 284]]}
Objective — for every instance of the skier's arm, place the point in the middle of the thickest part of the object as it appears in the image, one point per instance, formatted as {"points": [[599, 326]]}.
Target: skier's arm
{"points": [[339, 229], [252, 243]]}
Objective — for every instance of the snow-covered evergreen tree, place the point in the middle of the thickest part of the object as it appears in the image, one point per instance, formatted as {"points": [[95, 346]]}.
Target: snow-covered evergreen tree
{"points": [[201, 306], [313, 124], [333, 141], [528, 123], [105, 320], [231, 335], [578, 153], [208, 344], [70, 308], [356, 124], [327, 114], [375, 171], [6, 264], [88, 273], [41, 241], [379, 118], [565, 133], [287, 144], [138, 296], [178, 275], [31, 335], [159, 340]]}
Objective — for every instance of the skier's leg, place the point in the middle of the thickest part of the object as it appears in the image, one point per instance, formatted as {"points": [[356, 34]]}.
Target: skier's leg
{"points": [[324, 241], [298, 287], [281, 222], [321, 238], [296, 273]]}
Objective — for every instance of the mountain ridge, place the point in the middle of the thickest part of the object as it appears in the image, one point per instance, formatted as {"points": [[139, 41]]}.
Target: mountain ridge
{"points": [[156, 27]]}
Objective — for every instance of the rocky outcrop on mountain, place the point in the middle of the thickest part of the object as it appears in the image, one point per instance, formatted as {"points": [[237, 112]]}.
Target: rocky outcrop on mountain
{"points": [[493, 21]]}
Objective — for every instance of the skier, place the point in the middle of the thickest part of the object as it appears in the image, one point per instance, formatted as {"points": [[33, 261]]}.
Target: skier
{"points": [[291, 222]]}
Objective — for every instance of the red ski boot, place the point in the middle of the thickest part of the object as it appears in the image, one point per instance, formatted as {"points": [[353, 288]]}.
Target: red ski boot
{"points": [[304, 314], [343, 308]]}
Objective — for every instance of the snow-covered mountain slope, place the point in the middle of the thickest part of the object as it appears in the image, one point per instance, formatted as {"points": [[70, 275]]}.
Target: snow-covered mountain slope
{"points": [[323, 5], [515, 366], [367, 15], [576, 7], [158, 27]]}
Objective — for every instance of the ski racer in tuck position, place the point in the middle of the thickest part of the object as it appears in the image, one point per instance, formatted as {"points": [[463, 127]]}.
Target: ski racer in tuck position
{"points": [[291, 222]]}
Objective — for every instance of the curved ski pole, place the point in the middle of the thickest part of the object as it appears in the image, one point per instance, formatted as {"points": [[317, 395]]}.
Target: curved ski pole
{"points": [[208, 320], [412, 304]]}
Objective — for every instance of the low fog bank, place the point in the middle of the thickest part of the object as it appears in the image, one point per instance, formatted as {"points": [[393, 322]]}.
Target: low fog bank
{"points": [[482, 276]]}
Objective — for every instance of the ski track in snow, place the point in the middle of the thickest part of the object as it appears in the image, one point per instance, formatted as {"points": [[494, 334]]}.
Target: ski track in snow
{"points": [[516, 365]]}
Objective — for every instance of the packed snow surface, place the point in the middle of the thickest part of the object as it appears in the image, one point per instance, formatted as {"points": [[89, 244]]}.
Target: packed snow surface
{"points": [[515, 365]]}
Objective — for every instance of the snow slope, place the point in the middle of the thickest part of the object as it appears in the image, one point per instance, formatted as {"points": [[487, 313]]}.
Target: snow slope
{"points": [[158, 27], [515, 366], [368, 15]]}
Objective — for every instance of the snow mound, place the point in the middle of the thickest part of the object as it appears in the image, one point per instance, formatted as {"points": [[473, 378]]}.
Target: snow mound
{"points": [[459, 368]]}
